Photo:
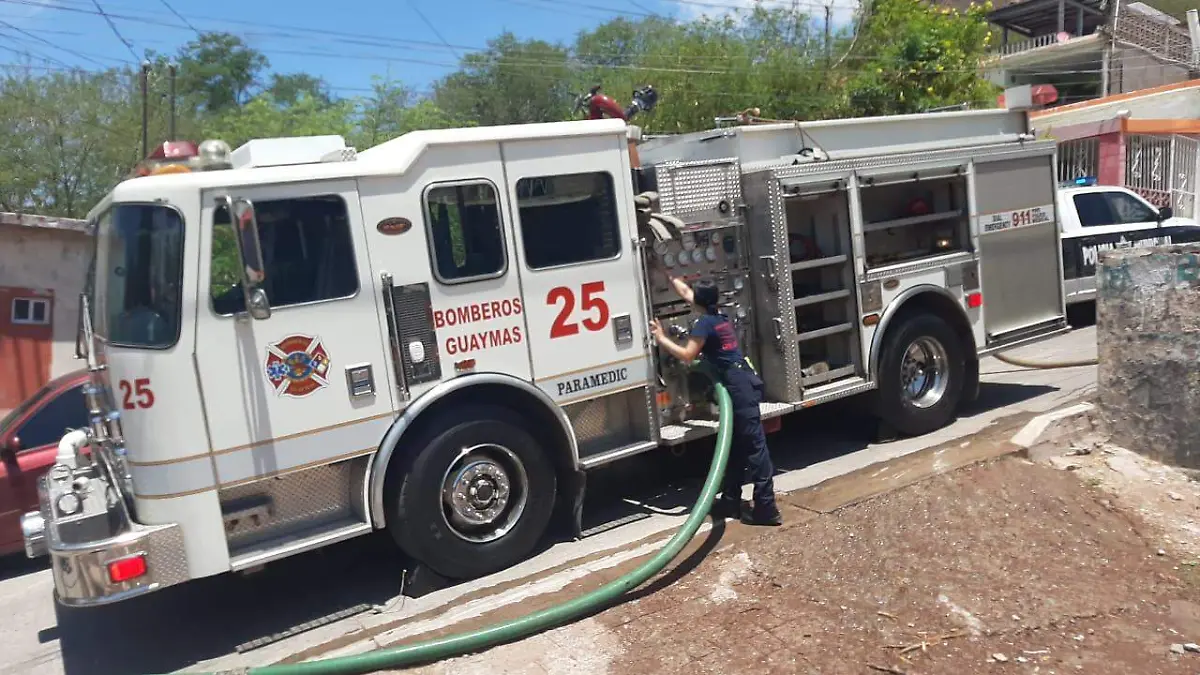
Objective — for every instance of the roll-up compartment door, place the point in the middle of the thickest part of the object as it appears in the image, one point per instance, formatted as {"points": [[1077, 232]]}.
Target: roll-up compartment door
{"points": [[1019, 246]]}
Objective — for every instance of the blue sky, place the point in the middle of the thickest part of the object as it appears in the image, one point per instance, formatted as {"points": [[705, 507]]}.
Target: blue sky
{"points": [[320, 37]]}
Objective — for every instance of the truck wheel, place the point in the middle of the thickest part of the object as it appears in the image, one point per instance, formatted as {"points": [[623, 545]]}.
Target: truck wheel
{"points": [[477, 496], [921, 375]]}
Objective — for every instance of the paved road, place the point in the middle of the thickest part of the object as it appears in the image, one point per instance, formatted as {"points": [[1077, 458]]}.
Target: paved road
{"points": [[200, 624]]}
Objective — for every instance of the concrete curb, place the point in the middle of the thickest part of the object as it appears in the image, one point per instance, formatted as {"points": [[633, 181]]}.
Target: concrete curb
{"points": [[1032, 432]]}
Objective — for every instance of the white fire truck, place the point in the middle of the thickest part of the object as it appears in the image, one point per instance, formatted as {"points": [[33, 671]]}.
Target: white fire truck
{"points": [[294, 344]]}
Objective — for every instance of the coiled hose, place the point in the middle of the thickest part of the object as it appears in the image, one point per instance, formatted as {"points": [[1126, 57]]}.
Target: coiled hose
{"points": [[551, 617]]}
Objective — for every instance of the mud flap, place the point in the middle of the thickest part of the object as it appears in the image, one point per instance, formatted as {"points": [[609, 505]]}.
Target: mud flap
{"points": [[576, 484], [971, 386]]}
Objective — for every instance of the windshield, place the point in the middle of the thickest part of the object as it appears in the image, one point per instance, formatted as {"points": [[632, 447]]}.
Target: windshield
{"points": [[17, 412], [138, 275]]}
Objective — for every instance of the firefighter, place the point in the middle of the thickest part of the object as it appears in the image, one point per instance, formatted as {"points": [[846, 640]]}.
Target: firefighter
{"points": [[713, 337]]}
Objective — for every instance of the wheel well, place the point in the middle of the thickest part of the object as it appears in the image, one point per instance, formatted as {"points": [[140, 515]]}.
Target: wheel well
{"points": [[944, 307], [542, 423]]}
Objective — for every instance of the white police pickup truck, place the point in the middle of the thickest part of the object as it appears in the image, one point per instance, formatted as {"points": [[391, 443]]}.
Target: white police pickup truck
{"points": [[1096, 218]]}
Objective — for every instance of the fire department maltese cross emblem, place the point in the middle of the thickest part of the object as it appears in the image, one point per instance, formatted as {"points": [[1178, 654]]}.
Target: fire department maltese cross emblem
{"points": [[297, 366]]}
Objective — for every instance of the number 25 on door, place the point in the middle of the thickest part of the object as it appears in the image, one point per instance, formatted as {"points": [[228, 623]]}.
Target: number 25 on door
{"points": [[593, 310]]}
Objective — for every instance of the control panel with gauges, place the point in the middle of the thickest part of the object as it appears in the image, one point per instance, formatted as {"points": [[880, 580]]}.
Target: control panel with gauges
{"points": [[711, 247]]}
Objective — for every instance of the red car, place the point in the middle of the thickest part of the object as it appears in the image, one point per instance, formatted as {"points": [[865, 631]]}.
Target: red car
{"points": [[29, 438]]}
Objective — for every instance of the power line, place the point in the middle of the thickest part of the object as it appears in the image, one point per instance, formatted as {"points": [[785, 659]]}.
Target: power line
{"points": [[181, 18], [72, 52], [413, 5], [116, 32], [30, 53]]}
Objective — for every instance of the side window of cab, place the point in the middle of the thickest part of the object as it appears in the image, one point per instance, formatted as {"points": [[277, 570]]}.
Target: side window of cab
{"points": [[307, 249]]}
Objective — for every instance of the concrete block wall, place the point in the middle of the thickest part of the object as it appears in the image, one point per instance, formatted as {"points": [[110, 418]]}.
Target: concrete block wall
{"points": [[43, 262], [1148, 338]]}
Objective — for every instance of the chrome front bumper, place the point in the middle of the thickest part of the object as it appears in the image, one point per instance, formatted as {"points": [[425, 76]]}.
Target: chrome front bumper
{"points": [[82, 546]]}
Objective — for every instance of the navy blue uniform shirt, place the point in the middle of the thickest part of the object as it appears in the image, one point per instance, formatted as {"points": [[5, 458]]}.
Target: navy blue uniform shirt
{"points": [[719, 343]]}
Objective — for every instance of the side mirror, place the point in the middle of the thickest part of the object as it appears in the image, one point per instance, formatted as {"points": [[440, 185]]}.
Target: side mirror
{"points": [[1164, 213], [80, 347], [253, 271]]}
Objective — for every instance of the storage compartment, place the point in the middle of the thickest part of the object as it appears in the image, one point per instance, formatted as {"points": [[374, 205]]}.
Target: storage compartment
{"points": [[907, 219], [821, 272]]}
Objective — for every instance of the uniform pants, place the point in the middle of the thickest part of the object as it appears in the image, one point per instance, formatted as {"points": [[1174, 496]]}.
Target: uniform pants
{"points": [[748, 454]]}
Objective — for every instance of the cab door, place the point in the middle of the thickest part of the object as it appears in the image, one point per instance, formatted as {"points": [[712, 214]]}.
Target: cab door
{"points": [[306, 385], [574, 228]]}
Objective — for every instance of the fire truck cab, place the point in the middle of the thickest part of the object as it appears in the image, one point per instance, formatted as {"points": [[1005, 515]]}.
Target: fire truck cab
{"points": [[296, 344]]}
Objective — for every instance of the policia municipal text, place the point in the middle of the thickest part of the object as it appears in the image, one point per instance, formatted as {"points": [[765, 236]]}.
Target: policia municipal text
{"points": [[714, 338]]}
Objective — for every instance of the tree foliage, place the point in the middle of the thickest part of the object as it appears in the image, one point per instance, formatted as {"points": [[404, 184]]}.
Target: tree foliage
{"points": [[72, 135], [917, 56]]}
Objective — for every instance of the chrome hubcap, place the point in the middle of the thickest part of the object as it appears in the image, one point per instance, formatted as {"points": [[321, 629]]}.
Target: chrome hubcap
{"points": [[924, 372], [484, 493]]}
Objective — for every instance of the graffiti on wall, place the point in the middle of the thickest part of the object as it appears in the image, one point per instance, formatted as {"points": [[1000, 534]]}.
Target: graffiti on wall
{"points": [[1183, 271]]}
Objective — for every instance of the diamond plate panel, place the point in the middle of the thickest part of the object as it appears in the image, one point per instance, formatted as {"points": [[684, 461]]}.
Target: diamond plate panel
{"points": [[295, 502], [164, 548], [673, 434], [414, 323], [691, 191], [609, 422]]}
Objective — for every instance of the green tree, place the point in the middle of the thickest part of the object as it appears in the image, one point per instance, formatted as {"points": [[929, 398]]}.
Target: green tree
{"points": [[221, 70], [513, 81], [262, 118], [66, 141], [912, 56], [288, 89]]}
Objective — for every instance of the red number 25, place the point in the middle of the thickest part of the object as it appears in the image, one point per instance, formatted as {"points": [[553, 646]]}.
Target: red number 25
{"points": [[589, 301], [140, 388]]}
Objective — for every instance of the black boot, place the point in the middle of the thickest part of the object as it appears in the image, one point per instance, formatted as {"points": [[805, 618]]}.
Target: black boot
{"points": [[763, 515], [727, 508]]}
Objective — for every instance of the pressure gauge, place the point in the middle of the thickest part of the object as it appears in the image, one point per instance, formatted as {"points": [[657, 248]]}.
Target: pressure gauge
{"points": [[697, 256], [68, 504], [715, 238], [661, 247], [689, 241], [669, 259], [711, 253], [684, 258]]}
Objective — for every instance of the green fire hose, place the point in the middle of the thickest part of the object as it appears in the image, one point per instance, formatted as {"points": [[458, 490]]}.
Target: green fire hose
{"points": [[551, 617]]}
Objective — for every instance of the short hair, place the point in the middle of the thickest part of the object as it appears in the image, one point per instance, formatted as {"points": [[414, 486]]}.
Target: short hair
{"points": [[705, 295]]}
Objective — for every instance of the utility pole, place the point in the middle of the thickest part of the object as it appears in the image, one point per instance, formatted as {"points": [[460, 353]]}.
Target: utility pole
{"points": [[171, 101], [145, 79], [828, 46]]}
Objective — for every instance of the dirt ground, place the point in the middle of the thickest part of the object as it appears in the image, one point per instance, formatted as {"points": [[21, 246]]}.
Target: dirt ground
{"points": [[1061, 564]]}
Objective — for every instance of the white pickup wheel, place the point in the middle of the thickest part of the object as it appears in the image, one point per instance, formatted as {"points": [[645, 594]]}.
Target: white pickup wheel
{"points": [[921, 374], [477, 497]]}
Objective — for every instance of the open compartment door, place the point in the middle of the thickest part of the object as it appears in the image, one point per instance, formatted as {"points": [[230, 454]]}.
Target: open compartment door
{"points": [[1019, 246], [804, 281]]}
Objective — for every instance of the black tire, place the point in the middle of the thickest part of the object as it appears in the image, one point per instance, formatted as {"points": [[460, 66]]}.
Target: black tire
{"points": [[916, 415], [420, 519]]}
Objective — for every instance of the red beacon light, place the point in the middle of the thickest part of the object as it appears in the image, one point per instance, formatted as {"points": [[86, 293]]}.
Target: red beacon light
{"points": [[185, 157]]}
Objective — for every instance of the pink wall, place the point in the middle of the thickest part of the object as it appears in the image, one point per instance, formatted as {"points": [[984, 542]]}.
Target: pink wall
{"points": [[1111, 152]]}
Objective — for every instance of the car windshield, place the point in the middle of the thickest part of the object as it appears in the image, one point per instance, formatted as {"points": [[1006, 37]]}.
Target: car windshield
{"points": [[16, 413], [138, 276]]}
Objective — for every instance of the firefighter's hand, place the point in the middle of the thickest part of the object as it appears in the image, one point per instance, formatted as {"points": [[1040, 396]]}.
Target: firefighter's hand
{"points": [[656, 329]]}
